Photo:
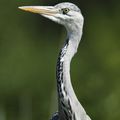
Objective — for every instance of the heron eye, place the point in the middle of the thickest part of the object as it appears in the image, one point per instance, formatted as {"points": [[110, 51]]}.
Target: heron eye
{"points": [[65, 10]]}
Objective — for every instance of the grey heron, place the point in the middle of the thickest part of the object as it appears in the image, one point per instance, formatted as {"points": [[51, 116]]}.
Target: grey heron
{"points": [[70, 16]]}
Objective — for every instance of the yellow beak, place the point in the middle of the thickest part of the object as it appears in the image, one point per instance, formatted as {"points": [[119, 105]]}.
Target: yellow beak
{"points": [[46, 10]]}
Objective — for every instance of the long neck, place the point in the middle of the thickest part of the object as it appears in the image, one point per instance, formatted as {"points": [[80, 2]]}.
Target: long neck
{"points": [[66, 93]]}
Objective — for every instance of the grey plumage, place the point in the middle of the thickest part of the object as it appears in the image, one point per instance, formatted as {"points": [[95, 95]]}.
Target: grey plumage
{"points": [[68, 15], [55, 116], [71, 6]]}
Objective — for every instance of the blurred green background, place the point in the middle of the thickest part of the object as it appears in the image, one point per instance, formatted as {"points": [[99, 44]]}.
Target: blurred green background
{"points": [[29, 46]]}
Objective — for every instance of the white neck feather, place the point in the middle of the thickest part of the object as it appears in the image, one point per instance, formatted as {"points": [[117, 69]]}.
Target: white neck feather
{"points": [[68, 103], [74, 39]]}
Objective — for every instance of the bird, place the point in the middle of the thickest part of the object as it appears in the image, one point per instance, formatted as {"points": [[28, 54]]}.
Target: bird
{"points": [[69, 15]]}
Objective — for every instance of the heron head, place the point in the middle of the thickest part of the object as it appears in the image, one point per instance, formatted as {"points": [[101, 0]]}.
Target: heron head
{"points": [[65, 13]]}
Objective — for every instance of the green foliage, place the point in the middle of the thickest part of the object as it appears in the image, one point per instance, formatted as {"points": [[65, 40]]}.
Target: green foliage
{"points": [[29, 46]]}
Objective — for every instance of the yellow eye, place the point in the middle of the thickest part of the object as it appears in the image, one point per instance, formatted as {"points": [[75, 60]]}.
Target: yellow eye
{"points": [[65, 10]]}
